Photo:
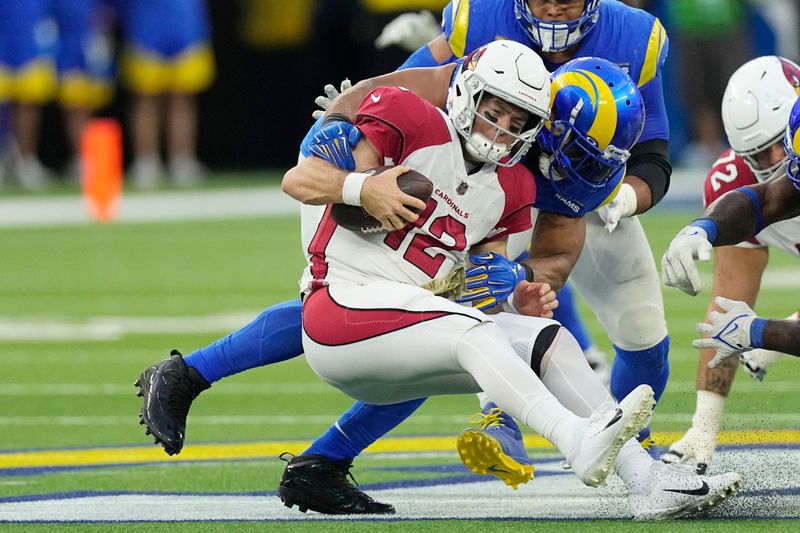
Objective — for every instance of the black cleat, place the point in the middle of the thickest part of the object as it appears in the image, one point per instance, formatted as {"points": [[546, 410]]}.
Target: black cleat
{"points": [[317, 483], [168, 390]]}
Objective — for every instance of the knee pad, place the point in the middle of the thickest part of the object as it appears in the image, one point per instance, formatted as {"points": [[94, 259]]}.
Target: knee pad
{"points": [[542, 344], [640, 327]]}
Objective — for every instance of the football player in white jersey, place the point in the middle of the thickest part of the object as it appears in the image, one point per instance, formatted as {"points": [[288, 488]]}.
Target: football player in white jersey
{"points": [[369, 331], [755, 112]]}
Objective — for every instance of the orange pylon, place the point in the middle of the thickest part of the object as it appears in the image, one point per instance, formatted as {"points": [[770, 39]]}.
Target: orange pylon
{"points": [[101, 168]]}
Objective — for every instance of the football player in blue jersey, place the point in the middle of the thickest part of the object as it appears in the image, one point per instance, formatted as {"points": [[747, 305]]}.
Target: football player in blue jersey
{"points": [[317, 478], [616, 273]]}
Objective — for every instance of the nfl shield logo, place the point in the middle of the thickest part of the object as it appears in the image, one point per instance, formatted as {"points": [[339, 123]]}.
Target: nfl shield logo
{"points": [[462, 188]]}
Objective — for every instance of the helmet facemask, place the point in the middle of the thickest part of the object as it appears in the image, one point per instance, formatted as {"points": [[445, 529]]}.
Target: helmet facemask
{"points": [[760, 171], [512, 73], [490, 150], [557, 36]]}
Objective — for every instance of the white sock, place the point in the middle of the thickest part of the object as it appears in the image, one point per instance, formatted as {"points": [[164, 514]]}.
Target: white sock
{"points": [[708, 413]]}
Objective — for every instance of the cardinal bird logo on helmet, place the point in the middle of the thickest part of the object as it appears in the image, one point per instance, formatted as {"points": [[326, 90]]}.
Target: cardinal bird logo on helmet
{"points": [[792, 74]]}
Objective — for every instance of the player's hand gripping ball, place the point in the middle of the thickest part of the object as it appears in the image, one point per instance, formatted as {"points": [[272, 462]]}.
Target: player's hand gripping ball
{"points": [[356, 218]]}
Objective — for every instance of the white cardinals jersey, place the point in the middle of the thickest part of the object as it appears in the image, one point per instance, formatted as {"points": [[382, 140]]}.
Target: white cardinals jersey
{"points": [[464, 209], [730, 172]]}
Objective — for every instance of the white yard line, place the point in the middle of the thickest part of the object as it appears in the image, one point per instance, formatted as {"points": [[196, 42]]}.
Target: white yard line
{"points": [[115, 327], [211, 204], [311, 387], [731, 420]]}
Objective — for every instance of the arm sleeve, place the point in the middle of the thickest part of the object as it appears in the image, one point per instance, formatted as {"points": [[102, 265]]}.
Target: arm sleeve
{"points": [[649, 161]]}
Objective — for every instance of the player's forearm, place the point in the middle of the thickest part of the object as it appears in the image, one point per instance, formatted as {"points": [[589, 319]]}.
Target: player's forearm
{"points": [[553, 270], [347, 103], [428, 83], [737, 275], [555, 247], [782, 336], [735, 216], [644, 195], [648, 171], [314, 182]]}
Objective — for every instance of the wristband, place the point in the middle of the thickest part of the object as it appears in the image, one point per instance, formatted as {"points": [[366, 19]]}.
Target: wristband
{"points": [[707, 225], [351, 188], [335, 117], [508, 305], [757, 332], [626, 199], [528, 272]]}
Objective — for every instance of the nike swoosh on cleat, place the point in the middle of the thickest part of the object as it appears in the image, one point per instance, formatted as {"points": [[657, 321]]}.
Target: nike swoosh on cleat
{"points": [[702, 491], [616, 418], [496, 469]]}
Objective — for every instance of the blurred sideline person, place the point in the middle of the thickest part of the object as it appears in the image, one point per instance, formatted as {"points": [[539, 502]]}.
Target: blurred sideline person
{"points": [[755, 112], [84, 68], [167, 61], [712, 41], [27, 81], [626, 295], [318, 477]]}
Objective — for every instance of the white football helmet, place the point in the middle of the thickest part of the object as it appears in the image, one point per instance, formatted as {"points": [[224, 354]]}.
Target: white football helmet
{"points": [[756, 107], [512, 72]]}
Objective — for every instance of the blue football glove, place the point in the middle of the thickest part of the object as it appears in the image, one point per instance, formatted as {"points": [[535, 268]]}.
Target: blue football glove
{"points": [[492, 280], [334, 143]]}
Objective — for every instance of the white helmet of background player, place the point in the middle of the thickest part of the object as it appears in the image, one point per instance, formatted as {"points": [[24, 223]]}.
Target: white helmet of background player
{"points": [[756, 107], [512, 72]]}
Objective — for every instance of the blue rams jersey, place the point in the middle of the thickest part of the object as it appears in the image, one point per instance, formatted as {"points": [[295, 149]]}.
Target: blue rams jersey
{"points": [[631, 38]]}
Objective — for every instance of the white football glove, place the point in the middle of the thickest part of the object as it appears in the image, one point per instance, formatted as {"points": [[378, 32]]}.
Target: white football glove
{"points": [[330, 94], [622, 206], [409, 31], [729, 332], [678, 266]]}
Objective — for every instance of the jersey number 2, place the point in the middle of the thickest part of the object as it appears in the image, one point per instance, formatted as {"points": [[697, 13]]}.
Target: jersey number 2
{"points": [[732, 172], [421, 251]]}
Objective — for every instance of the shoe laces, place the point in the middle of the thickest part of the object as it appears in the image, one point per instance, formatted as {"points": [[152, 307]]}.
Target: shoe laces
{"points": [[337, 471], [648, 443], [493, 418]]}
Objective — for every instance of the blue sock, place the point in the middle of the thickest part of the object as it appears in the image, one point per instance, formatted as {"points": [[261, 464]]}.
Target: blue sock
{"points": [[275, 336], [632, 368], [359, 427], [567, 314]]}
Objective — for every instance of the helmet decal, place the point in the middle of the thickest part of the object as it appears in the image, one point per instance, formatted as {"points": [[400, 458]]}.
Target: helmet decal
{"points": [[597, 115], [597, 91], [792, 73]]}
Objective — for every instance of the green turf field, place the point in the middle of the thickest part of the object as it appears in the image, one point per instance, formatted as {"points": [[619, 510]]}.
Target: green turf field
{"points": [[109, 300]]}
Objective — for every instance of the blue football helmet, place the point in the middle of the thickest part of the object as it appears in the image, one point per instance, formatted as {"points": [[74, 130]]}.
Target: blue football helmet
{"points": [[791, 143], [597, 115], [556, 36]]}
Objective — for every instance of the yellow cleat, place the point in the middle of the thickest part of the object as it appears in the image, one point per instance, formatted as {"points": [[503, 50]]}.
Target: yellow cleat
{"points": [[495, 448]]}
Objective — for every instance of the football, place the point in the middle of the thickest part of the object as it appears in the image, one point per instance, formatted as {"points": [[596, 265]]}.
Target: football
{"points": [[355, 218]]}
